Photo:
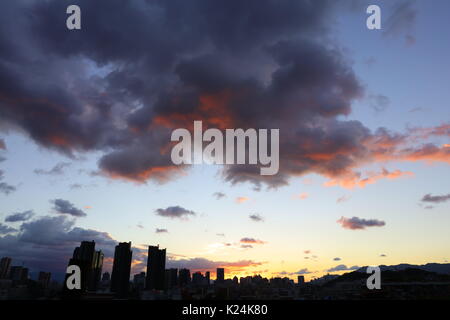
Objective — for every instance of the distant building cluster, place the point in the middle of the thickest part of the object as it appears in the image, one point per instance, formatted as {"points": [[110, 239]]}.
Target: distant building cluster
{"points": [[15, 282], [159, 283]]}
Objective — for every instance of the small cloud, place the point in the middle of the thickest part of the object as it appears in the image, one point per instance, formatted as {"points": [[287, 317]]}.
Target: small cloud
{"points": [[342, 267], [378, 102], [383, 255], [370, 61], [65, 207], [140, 226], [342, 199], [220, 234], [58, 169], [75, 186], [20, 216], [299, 272], [5, 188], [256, 217], [307, 251], [175, 212], [428, 207], [246, 246], [415, 110], [2, 144], [161, 230], [337, 259], [302, 271], [435, 199], [242, 199], [252, 240], [219, 195], [302, 196], [356, 223]]}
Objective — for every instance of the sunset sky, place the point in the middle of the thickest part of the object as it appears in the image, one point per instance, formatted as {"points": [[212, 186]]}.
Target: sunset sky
{"points": [[86, 116]]}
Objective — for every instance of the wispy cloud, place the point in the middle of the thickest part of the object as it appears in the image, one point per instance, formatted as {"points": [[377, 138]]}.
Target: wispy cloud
{"points": [[58, 169], [435, 199], [20, 216], [219, 195], [252, 241], [356, 223], [242, 199], [342, 267], [65, 207]]}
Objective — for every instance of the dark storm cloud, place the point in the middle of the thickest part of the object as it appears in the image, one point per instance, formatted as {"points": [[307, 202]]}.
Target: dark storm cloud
{"points": [[20, 216], [4, 229], [342, 267], [356, 223], [58, 169], [138, 69], [47, 243], [65, 207], [174, 212], [435, 199]]}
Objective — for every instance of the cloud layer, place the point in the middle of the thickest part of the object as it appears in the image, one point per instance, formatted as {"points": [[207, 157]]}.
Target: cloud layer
{"points": [[230, 64]]}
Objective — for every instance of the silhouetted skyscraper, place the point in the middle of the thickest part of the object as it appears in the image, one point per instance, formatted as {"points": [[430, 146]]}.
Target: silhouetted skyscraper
{"points": [[220, 275], [96, 272], [156, 266], [18, 274], [139, 281], [171, 278], [120, 278], [5, 264], [300, 279], [184, 277], [106, 276], [208, 277], [44, 278], [83, 257]]}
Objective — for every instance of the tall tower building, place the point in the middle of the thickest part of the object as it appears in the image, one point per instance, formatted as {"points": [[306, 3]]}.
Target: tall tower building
{"points": [[220, 275], [83, 256], [97, 265], [184, 277], [5, 264], [156, 266], [120, 277]]}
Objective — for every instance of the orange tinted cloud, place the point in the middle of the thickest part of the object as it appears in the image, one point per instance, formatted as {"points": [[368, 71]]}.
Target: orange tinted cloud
{"points": [[302, 196], [213, 109], [160, 174], [351, 181], [242, 199], [252, 240]]}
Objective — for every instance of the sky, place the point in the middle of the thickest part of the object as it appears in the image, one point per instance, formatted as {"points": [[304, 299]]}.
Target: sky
{"points": [[86, 117]]}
